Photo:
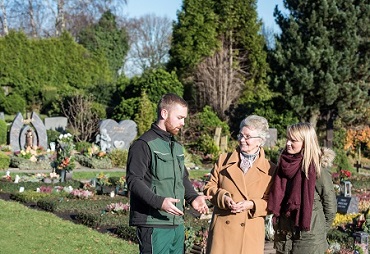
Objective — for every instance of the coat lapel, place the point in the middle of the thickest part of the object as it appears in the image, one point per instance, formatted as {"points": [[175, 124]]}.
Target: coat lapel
{"points": [[253, 175], [236, 173]]}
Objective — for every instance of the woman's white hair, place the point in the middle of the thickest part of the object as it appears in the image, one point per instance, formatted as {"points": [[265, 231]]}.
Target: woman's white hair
{"points": [[257, 123]]}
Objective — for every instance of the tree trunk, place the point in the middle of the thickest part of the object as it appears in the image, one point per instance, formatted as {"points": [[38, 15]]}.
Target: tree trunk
{"points": [[329, 130], [60, 22], [32, 19], [5, 20]]}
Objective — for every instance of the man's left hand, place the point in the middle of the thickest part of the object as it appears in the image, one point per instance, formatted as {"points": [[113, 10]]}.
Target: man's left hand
{"points": [[200, 205]]}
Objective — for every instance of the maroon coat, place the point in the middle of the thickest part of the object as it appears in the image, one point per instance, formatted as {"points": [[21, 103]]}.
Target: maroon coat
{"points": [[241, 232]]}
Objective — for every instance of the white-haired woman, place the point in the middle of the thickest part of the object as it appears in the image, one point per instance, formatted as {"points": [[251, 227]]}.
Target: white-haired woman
{"points": [[302, 198], [239, 187]]}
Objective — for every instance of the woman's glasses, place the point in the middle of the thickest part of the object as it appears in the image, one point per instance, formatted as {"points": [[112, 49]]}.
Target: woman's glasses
{"points": [[241, 136]]}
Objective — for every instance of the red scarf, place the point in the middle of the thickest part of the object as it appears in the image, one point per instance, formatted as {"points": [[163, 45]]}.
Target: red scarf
{"points": [[292, 193]]}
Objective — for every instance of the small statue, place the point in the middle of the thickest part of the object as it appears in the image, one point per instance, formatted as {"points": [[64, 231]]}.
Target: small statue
{"points": [[29, 139], [103, 140]]}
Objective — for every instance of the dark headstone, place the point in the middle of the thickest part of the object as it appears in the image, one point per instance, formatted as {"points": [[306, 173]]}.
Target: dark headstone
{"points": [[121, 134], [347, 204], [56, 123]]}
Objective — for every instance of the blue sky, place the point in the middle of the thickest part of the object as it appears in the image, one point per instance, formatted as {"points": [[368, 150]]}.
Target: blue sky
{"points": [[137, 8]]}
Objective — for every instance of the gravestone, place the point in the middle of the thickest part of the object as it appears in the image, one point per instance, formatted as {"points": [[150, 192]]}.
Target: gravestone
{"points": [[2, 116], [18, 130], [121, 134], [56, 123], [40, 131], [347, 204], [271, 140], [15, 131]]}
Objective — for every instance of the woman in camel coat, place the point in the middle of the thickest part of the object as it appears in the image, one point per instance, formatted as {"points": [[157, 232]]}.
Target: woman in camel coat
{"points": [[239, 186]]}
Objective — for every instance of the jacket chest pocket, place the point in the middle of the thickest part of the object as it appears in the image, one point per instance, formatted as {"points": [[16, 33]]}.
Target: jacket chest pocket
{"points": [[163, 166]]}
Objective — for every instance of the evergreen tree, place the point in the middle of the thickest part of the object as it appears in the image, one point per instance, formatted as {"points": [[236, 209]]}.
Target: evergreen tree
{"points": [[217, 49], [145, 115], [105, 37], [321, 62]]}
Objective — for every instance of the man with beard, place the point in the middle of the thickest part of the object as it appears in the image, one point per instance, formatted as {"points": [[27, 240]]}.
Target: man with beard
{"points": [[159, 183]]}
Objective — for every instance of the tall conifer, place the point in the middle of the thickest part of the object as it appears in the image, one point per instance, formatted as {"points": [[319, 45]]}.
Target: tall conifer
{"points": [[321, 61]]}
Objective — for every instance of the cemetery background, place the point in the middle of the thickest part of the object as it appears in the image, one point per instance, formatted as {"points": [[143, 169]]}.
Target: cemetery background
{"points": [[351, 224], [44, 67]]}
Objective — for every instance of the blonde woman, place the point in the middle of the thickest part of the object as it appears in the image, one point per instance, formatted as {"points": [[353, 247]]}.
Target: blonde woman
{"points": [[302, 198], [239, 184]]}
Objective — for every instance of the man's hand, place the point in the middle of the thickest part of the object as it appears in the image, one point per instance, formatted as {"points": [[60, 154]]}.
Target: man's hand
{"points": [[169, 207], [200, 205]]}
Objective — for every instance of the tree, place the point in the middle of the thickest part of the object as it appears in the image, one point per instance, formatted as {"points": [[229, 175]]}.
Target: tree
{"points": [[217, 46], [321, 61], [155, 83], [150, 40], [105, 37], [43, 70], [145, 115], [45, 18], [82, 118]]}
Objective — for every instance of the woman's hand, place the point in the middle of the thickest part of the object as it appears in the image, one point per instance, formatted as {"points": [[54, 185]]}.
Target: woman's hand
{"points": [[242, 206], [229, 202]]}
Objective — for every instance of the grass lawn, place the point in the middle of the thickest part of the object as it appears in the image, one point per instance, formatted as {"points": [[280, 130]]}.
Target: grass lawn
{"points": [[24, 230]]}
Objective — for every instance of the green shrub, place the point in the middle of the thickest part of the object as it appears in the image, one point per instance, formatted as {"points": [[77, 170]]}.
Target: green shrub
{"points": [[118, 157], [3, 132], [52, 135], [89, 218], [28, 196], [96, 163], [272, 154], [82, 146], [14, 103], [127, 233], [4, 161], [341, 160], [26, 164], [207, 145]]}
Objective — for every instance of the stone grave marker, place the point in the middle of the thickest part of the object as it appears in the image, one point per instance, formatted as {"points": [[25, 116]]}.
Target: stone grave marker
{"points": [[56, 123], [18, 130], [271, 140], [347, 204], [40, 129], [121, 134], [14, 133], [2, 116]]}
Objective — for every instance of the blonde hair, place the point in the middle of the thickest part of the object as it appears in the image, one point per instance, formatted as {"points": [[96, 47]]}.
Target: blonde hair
{"points": [[311, 151], [257, 123]]}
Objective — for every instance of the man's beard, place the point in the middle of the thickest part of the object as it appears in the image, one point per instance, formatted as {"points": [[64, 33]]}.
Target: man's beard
{"points": [[170, 128]]}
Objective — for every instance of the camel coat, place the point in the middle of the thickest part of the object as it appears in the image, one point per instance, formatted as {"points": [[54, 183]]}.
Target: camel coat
{"points": [[240, 233]]}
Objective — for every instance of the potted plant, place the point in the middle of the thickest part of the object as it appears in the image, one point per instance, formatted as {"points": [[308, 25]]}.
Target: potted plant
{"points": [[103, 184], [64, 162]]}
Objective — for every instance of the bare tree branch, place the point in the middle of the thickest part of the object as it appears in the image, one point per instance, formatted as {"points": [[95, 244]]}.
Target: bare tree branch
{"points": [[150, 41], [83, 121], [219, 80]]}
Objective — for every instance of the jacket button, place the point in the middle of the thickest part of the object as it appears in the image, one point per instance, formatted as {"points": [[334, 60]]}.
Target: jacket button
{"points": [[242, 224], [227, 222]]}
